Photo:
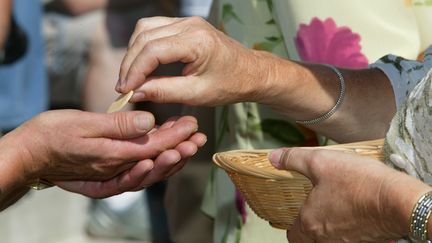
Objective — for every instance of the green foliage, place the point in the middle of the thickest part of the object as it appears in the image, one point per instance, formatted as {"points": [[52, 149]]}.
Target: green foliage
{"points": [[269, 45], [228, 13], [283, 131], [271, 22], [224, 125]]}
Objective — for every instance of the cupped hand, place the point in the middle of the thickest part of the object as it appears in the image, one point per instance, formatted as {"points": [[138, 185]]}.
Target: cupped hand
{"points": [[76, 145], [353, 199], [145, 172], [218, 69]]}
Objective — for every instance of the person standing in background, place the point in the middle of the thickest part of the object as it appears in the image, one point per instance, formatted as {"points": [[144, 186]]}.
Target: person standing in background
{"points": [[86, 41], [23, 82], [324, 33]]}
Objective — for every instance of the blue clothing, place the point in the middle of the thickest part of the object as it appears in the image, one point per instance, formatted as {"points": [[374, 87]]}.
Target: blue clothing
{"points": [[23, 84]]}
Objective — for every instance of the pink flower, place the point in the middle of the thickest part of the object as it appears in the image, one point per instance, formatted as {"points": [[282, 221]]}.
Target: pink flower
{"points": [[324, 42]]}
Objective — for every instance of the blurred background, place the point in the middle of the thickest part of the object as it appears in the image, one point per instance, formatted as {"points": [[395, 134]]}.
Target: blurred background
{"points": [[66, 54]]}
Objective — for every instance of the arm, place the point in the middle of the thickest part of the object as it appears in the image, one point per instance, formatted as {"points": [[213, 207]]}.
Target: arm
{"points": [[13, 177], [5, 18], [97, 155], [78, 7], [373, 201], [221, 71]]}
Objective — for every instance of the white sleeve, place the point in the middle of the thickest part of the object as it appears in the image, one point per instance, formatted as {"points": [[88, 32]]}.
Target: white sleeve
{"points": [[404, 74]]}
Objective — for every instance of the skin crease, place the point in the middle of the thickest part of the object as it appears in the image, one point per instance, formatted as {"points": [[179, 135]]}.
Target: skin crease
{"points": [[367, 203], [219, 71], [97, 155]]}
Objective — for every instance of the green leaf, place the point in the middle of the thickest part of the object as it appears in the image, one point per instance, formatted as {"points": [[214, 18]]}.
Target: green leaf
{"points": [[283, 131], [228, 13], [270, 5], [271, 21], [274, 39], [224, 126]]}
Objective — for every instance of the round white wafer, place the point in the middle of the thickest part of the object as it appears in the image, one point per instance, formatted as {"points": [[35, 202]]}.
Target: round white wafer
{"points": [[120, 102]]}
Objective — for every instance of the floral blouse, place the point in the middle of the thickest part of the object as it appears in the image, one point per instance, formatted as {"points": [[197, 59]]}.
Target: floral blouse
{"points": [[348, 34]]}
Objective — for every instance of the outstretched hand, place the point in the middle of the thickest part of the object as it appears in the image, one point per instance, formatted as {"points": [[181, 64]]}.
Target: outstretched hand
{"points": [[100, 155], [145, 172]]}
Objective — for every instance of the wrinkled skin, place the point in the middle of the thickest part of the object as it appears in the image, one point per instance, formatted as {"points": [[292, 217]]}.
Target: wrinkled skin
{"points": [[354, 198], [98, 155]]}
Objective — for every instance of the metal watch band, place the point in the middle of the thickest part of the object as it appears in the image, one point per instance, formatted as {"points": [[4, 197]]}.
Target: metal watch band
{"points": [[420, 217]]}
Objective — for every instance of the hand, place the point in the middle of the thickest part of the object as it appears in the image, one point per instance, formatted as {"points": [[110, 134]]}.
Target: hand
{"points": [[218, 69], [354, 198], [144, 173], [74, 145]]}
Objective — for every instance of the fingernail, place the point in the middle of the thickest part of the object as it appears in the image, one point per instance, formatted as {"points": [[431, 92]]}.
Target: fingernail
{"points": [[117, 87], [122, 84], [144, 122], [275, 157], [138, 96], [190, 127]]}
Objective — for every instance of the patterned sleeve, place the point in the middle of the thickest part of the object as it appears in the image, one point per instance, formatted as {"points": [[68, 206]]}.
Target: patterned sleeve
{"points": [[404, 74]]}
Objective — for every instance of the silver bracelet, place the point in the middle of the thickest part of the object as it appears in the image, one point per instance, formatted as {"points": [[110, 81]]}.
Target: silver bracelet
{"points": [[420, 217], [335, 107]]}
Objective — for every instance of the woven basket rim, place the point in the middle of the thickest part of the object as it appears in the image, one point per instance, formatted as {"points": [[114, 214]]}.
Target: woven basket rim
{"points": [[273, 173]]}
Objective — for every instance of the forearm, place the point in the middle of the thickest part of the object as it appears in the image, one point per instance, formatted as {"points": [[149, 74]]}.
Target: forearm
{"points": [[76, 7], [13, 177], [305, 91], [5, 18]]}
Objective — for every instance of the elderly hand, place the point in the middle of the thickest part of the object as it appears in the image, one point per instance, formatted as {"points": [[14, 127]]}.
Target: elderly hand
{"points": [[354, 198], [218, 69], [100, 155]]}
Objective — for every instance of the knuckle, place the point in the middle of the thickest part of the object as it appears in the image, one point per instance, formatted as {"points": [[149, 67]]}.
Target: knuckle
{"points": [[123, 69], [141, 38], [153, 46], [135, 71], [122, 124], [316, 165], [141, 24], [197, 20], [309, 226], [156, 94]]}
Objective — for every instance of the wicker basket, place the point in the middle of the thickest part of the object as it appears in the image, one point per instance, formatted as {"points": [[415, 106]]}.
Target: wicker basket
{"points": [[275, 195]]}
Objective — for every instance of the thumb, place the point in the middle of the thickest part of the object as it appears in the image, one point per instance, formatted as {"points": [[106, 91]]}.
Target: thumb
{"points": [[297, 159], [179, 89], [122, 125]]}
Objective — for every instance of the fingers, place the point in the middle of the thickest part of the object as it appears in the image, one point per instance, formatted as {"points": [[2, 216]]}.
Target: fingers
{"points": [[147, 146], [146, 24], [119, 125], [163, 164], [126, 181], [199, 139], [142, 38], [166, 90], [161, 51], [295, 234]]}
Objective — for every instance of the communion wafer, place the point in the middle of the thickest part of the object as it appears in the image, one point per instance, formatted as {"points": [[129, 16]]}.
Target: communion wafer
{"points": [[120, 102]]}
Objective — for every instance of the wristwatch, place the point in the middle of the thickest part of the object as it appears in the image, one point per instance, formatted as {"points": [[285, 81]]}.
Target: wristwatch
{"points": [[40, 184]]}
